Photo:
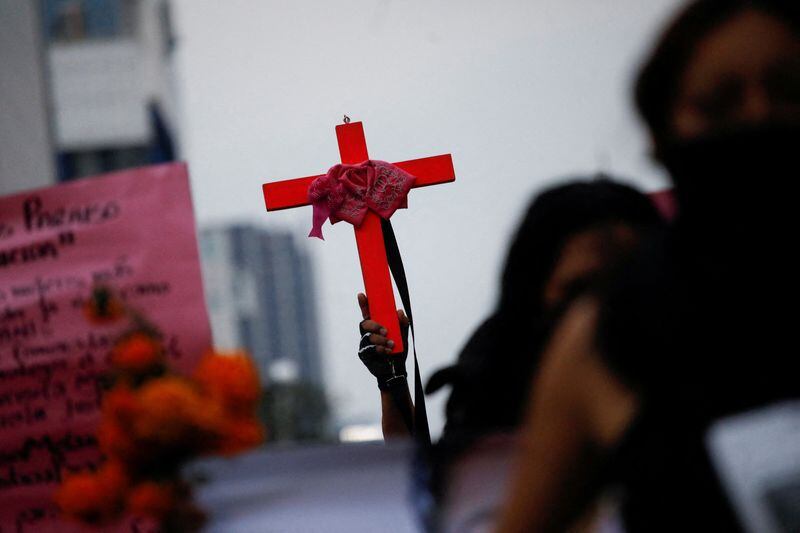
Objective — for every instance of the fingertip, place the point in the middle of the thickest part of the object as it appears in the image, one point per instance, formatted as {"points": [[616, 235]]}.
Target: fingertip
{"points": [[363, 303]]}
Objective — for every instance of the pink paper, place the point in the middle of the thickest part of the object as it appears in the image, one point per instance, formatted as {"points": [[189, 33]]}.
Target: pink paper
{"points": [[132, 230]]}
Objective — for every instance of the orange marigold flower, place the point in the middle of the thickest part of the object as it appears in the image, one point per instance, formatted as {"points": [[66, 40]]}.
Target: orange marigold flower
{"points": [[241, 435], [120, 407], [137, 352], [120, 403], [82, 497], [232, 378], [103, 307], [94, 497], [176, 417], [116, 442], [151, 499], [114, 476]]}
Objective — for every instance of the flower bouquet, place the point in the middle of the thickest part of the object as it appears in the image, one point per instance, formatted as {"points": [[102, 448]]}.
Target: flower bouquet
{"points": [[153, 421]]}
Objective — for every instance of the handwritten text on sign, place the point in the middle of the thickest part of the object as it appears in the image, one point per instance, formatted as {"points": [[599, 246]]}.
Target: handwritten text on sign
{"points": [[133, 231]]}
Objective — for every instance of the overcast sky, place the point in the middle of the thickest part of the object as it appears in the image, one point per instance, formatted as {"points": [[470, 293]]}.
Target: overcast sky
{"points": [[522, 93]]}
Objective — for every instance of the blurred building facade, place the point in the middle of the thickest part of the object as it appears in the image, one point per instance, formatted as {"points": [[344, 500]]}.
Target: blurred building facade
{"points": [[260, 296], [259, 292], [111, 83], [26, 137]]}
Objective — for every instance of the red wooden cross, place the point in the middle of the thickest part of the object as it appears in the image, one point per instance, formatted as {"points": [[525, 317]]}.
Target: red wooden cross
{"points": [[369, 236]]}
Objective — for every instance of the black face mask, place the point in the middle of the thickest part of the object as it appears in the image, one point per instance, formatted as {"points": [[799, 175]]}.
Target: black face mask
{"points": [[738, 186], [735, 239]]}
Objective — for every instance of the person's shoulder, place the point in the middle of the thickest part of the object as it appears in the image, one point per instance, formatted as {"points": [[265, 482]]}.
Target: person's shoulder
{"points": [[481, 340], [475, 350]]}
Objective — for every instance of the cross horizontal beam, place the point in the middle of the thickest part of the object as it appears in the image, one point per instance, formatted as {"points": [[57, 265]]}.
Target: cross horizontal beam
{"points": [[294, 193]]}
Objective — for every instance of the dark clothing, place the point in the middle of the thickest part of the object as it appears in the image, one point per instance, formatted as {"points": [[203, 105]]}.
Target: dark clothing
{"points": [[698, 331], [667, 481], [491, 381], [490, 385], [502, 377]]}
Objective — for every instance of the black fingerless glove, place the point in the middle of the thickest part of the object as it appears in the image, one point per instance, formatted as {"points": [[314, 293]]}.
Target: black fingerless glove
{"points": [[388, 369]]}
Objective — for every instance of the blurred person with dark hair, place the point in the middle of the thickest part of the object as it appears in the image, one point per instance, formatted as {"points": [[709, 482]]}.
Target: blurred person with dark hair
{"points": [[567, 241], [693, 330]]}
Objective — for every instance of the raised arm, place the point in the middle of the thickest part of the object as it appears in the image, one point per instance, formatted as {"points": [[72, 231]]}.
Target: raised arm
{"points": [[578, 409], [389, 370]]}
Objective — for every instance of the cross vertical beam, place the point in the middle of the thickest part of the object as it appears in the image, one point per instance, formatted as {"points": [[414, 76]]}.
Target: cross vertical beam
{"points": [[369, 240]]}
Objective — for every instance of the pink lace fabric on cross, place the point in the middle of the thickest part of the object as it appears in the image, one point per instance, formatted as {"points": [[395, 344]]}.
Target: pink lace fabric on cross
{"points": [[347, 192]]}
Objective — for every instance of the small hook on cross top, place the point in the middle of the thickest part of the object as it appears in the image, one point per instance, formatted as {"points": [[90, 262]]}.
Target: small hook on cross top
{"points": [[346, 119]]}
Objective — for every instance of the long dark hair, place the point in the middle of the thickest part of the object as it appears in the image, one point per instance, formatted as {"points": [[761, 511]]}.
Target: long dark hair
{"points": [[657, 84], [490, 380]]}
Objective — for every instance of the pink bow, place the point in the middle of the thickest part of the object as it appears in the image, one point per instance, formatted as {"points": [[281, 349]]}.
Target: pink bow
{"points": [[346, 192]]}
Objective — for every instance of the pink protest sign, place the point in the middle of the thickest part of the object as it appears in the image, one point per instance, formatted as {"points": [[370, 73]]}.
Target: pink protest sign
{"points": [[133, 231]]}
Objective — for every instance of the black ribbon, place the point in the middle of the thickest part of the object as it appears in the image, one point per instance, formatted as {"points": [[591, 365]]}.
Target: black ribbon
{"points": [[420, 428]]}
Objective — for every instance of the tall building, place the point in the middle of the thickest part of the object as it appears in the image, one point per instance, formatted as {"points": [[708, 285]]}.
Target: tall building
{"points": [[111, 83], [260, 296], [26, 149], [260, 291]]}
